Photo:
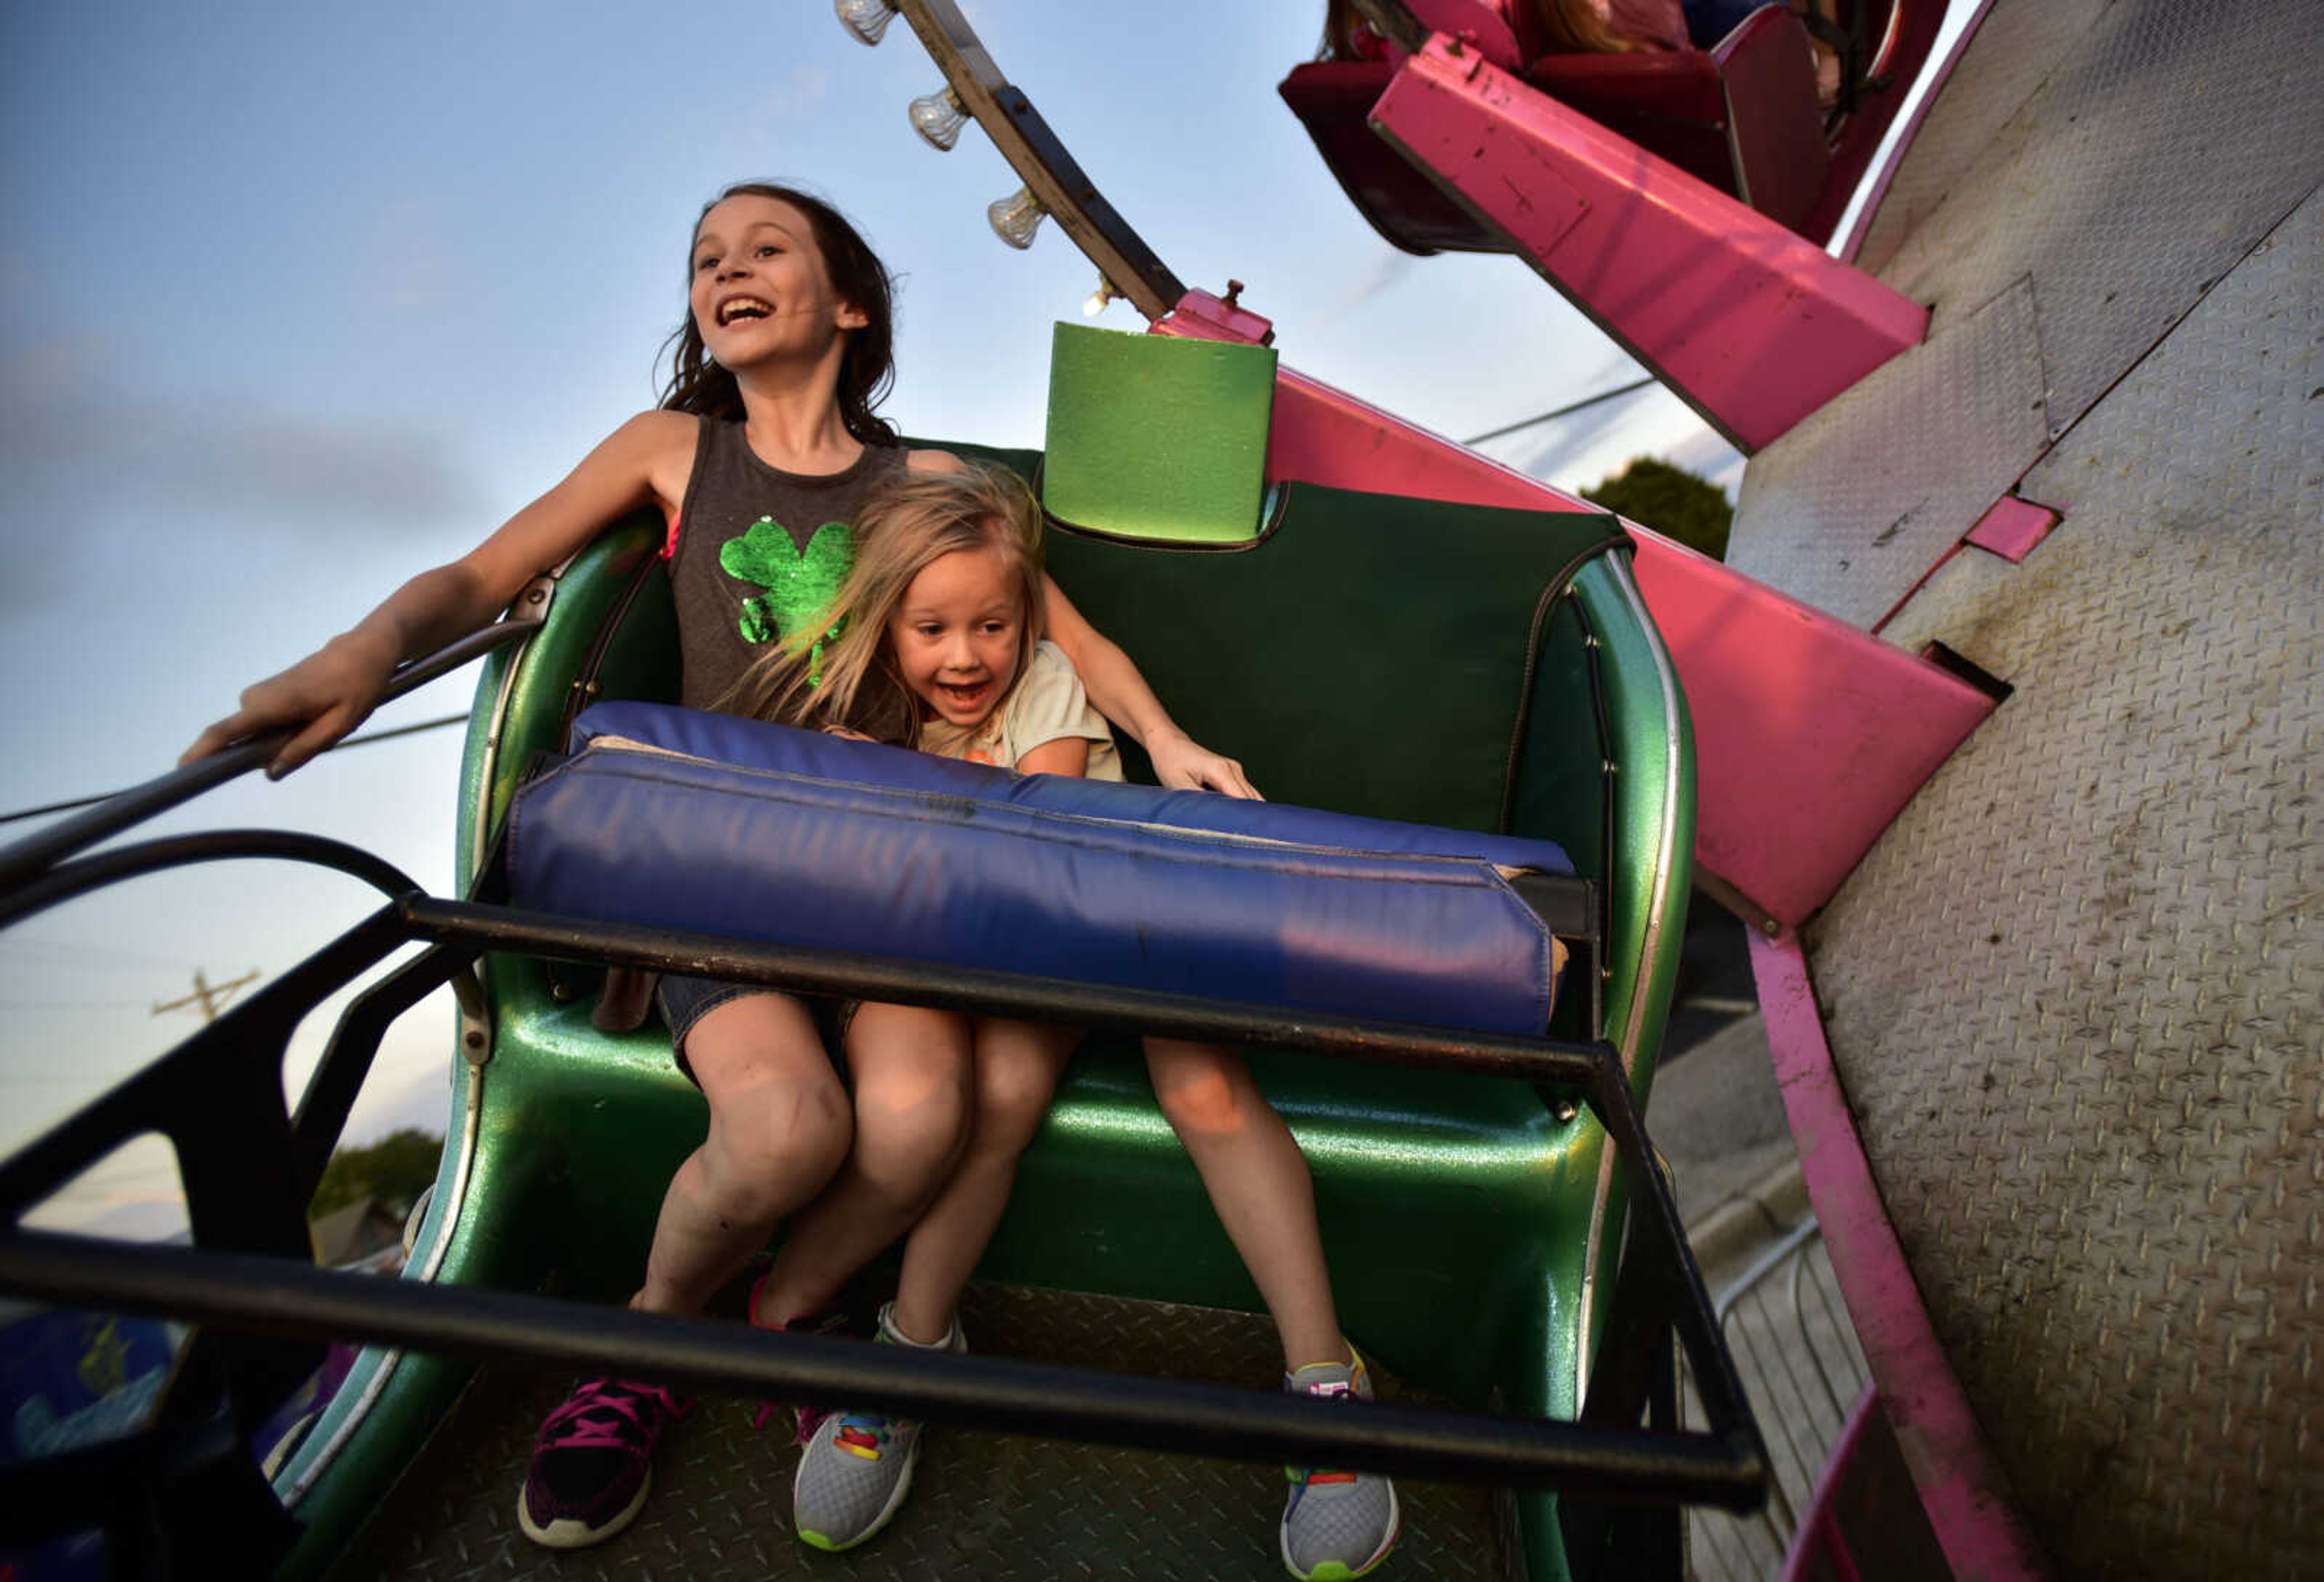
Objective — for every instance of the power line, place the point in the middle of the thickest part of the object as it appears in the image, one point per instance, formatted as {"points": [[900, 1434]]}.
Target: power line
{"points": [[1566, 410], [364, 740], [210, 995]]}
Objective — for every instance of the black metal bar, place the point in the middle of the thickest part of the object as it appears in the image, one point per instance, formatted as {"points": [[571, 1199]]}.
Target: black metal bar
{"points": [[1657, 1236], [180, 1095], [42, 850], [38, 852], [1049, 149], [855, 976], [338, 1076], [61, 884], [278, 1297]]}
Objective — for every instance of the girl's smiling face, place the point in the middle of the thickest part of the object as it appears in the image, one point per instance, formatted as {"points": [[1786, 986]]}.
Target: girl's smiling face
{"points": [[760, 286], [956, 635]]}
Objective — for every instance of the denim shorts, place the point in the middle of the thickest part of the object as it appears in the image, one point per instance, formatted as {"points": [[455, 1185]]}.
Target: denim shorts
{"points": [[684, 1001]]}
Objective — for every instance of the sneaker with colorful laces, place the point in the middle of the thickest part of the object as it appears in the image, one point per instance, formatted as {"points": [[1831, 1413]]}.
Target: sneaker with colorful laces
{"points": [[594, 1462], [857, 1465], [1336, 1525]]}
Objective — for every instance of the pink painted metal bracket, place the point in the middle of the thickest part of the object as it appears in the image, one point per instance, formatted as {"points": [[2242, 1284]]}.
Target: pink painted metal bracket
{"points": [[2013, 527], [1967, 1500], [1753, 326]]}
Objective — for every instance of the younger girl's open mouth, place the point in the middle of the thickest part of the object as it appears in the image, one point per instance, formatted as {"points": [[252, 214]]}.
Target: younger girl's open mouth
{"points": [[965, 695]]}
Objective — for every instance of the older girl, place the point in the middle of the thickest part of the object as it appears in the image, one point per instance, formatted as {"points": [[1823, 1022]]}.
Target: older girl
{"points": [[759, 456]]}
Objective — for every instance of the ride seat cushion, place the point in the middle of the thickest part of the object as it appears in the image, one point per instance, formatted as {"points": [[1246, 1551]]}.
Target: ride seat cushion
{"points": [[673, 818]]}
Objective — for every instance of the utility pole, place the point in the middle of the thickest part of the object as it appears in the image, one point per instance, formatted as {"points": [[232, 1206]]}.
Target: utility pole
{"points": [[212, 995]]}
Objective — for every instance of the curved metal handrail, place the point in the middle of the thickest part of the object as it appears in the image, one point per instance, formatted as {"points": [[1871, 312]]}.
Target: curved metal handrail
{"points": [[37, 853]]}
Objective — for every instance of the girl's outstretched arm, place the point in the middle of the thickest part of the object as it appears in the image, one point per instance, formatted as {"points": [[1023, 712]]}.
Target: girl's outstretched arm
{"points": [[1120, 692], [331, 691]]}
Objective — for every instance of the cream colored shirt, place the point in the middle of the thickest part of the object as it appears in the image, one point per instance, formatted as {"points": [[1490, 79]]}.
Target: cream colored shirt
{"points": [[1046, 704]]}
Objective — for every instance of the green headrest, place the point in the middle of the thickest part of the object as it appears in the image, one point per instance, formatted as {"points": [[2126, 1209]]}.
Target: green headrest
{"points": [[1156, 439]]}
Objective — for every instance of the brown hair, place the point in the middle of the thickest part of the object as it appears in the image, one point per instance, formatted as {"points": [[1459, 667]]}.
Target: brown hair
{"points": [[836, 668], [868, 368]]}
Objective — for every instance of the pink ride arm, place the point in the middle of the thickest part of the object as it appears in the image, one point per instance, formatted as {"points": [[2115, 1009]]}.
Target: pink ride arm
{"points": [[1752, 326]]}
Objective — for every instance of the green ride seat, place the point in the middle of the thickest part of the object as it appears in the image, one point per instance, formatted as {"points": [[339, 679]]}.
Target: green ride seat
{"points": [[1399, 657]]}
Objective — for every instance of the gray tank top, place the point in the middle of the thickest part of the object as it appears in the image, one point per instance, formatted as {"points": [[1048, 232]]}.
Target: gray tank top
{"points": [[757, 551]]}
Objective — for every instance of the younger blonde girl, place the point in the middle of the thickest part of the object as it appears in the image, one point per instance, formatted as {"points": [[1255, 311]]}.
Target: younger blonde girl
{"points": [[935, 642]]}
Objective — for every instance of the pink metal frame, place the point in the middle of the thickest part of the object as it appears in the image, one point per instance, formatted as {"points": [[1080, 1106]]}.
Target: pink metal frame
{"points": [[1754, 327], [1819, 1538], [1810, 735], [2013, 527], [1962, 1491]]}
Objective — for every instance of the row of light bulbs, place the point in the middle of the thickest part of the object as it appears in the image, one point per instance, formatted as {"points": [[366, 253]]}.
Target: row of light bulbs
{"points": [[938, 118]]}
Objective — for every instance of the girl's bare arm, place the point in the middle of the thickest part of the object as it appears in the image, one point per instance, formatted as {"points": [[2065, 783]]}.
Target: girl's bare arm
{"points": [[331, 691], [1120, 692], [1066, 755]]}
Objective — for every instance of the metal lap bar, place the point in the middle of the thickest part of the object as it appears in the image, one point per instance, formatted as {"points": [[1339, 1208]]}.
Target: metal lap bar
{"points": [[1605, 1456], [277, 1297]]}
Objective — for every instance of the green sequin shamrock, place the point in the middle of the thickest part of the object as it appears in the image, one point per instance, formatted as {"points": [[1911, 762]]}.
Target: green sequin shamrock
{"points": [[798, 586]]}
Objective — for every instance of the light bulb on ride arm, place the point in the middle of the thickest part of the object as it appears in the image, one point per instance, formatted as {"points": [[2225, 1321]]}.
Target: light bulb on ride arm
{"points": [[1099, 299], [866, 18], [938, 118], [1016, 217]]}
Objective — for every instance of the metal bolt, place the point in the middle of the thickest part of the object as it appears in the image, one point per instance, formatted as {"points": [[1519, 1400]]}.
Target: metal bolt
{"points": [[474, 1038], [1565, 1110]]}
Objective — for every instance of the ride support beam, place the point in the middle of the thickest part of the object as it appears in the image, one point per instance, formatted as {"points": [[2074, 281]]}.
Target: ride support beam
{"points": [[1752, 326]]}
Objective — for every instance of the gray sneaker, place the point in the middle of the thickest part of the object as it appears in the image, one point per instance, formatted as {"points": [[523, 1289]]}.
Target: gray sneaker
{"points": [[1336, 1525], [857, 1465]]}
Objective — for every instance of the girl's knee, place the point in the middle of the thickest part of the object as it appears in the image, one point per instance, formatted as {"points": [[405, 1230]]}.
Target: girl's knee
{"points": [[808, 1118], [1203, 1090], [770, 1140], [912, 1089], [1015, 1083]]}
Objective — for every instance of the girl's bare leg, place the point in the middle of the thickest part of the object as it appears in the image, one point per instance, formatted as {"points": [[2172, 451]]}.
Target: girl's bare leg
{"points": [[912, 1069], [1018, 1064], [779, 1128], [1259, 1183]]}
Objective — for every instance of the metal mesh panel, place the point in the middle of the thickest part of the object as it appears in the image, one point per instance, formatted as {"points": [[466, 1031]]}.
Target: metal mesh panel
{"points": [[1796, 1353]]}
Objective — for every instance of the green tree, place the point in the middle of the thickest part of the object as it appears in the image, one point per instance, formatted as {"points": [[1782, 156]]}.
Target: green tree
{"points": [[1671, 500], [395, 1169]]}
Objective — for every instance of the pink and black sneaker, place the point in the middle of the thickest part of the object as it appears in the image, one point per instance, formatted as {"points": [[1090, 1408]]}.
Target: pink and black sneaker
{"points": [[594, 1462]]}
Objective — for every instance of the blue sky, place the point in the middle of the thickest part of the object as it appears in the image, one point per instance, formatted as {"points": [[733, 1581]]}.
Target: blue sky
{"points": [[297, 300]]}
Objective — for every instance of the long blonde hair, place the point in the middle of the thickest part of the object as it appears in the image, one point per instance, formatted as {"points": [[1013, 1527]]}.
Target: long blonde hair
{"points": [[837, 668]]}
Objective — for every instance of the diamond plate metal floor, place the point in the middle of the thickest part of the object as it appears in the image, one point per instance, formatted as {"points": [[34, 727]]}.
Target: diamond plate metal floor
{"points": [[1849, 510], [983, 1505], [2076, 993]]}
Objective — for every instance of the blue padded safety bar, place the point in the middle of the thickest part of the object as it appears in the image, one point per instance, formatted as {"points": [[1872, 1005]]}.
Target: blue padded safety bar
{"points": [[721, 826]]}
